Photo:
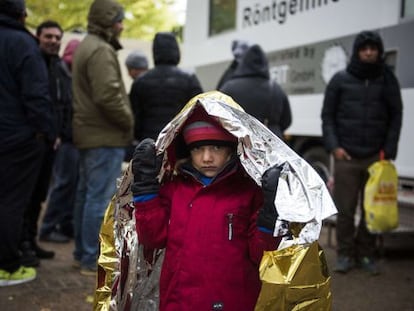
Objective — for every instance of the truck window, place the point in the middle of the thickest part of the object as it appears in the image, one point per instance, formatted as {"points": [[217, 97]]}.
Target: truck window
{"points": [[222, 16], [407, 9], [391, 59]]}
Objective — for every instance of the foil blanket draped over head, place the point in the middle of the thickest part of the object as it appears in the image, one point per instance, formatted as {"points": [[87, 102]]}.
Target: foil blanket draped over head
{"points": [[126, 281]]}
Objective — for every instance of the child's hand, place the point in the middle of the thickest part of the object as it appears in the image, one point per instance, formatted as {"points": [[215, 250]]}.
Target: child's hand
{"points": [[268, 213], [145, 167]]}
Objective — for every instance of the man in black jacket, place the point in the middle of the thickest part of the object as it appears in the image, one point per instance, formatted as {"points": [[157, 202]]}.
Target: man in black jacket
{"points": [[25, 129], [160, 93], [251, 87], [361, 118]]}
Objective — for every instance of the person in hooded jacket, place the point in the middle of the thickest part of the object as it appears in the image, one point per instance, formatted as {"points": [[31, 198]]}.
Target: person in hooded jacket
{"points": [[212, 218], [26, 128], [251, 87], [361, 118], [102, 126], [160, 93]]}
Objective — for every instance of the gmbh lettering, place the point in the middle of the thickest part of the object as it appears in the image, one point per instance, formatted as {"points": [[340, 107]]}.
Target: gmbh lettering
{"points": [[278, 11]]}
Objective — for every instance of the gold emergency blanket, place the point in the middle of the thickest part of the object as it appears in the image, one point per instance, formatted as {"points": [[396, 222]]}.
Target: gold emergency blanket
{"points": [[295, 278], [126, 281]]}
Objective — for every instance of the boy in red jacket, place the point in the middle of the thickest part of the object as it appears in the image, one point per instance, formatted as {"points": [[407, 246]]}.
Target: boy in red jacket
{"points": [[210, 216]]}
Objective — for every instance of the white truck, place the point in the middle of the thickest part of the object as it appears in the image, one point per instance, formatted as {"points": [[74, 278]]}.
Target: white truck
{"points": [[306, 42]]}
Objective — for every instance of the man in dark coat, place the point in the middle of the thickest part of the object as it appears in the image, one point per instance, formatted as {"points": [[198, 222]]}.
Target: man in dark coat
{"points": [[57, 224], [259, 96], [26, 128], [160, 93], [361, 118]]}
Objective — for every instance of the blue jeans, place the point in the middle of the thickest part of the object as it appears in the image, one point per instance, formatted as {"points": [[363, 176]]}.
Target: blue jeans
{"points": [[99, 169], [59, 213]]}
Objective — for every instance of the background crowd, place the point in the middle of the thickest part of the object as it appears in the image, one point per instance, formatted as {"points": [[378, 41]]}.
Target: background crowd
{"points": [[67, 124]]}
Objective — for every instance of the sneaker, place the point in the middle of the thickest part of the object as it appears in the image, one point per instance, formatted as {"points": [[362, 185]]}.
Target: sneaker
{"points": [[368, 265], [344, 264], [55, 237], [21, 275], [88, 271]]}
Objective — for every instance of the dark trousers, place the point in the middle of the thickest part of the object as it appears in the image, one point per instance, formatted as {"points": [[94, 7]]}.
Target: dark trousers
{"points": [[350, 179], [33, 209], [61, 202], [19, 170]]}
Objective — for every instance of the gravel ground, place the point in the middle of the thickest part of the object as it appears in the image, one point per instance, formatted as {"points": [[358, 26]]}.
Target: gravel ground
{"points": [[61, 287]]}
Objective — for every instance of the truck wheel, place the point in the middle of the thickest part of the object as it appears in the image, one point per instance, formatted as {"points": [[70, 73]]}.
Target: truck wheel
{"points": [[318, 158]]}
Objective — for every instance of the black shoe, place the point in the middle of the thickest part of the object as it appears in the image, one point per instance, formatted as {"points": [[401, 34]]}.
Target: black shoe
{"points": [[28, 256], [55, 237], [42, 253]]}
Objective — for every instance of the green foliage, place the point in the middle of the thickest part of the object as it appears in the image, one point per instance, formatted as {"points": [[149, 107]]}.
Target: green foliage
{"points": [[143, 18]]}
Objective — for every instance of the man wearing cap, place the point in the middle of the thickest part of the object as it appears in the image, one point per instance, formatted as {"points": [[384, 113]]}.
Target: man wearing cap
{"points": [[205, 215], [102, 126], [361, 118], [136, 63], [26, 127]]}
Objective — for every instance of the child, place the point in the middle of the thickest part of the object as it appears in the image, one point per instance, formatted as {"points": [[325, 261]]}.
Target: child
{"points": [[205, 215]]}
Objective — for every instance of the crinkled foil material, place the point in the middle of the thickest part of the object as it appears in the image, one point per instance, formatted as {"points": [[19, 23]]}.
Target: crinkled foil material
{"points": [[302, 196], [295, 278], [127, 281]]}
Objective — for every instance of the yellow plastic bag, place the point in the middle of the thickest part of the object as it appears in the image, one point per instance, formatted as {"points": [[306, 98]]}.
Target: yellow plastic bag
{"points": [[295, 278], [380, 202]]}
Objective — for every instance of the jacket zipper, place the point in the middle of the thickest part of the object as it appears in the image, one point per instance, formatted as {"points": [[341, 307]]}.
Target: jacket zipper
{"points": [[230, 223]]}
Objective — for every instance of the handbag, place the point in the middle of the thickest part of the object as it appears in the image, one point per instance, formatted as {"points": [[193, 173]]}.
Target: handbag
{"points": [[295, 278], [380, 197]]}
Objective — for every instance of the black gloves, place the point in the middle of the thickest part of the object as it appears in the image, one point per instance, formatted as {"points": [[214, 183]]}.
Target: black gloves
{"points": [[268, 214], [145, 167]]}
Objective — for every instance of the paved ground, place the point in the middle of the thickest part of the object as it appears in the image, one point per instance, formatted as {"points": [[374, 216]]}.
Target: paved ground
{"points": [[59, 287]]}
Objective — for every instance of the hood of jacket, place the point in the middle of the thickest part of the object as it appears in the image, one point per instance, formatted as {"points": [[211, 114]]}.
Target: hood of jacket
{"points": [[365, 70], [367, 37], [165, 49], [253, 63], [103, 14], [10, 22]]}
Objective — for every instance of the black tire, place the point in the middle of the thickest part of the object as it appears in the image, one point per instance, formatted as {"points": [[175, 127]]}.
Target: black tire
{"points": [[318, 158]]}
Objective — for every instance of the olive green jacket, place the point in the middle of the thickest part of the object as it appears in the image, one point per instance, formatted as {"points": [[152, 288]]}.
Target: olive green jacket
{"points": [[102, 112]]}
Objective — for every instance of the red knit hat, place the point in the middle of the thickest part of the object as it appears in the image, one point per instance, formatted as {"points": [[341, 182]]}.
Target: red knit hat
{"points": [[203, 133]]}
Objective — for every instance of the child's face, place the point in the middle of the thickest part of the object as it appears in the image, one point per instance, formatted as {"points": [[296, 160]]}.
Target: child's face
{"points": [[209, 159]]}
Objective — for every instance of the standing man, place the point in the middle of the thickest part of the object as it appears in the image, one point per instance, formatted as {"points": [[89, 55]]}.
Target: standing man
{"points": [[57, 223], [136, 63], [25, 129], [361, 117], [102, 126], [238, 49], [251, 87], [159, 94], [49, 34]]}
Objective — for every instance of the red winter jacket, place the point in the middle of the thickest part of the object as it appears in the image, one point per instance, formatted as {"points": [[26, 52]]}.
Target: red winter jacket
{"points": [[213, 247]]}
